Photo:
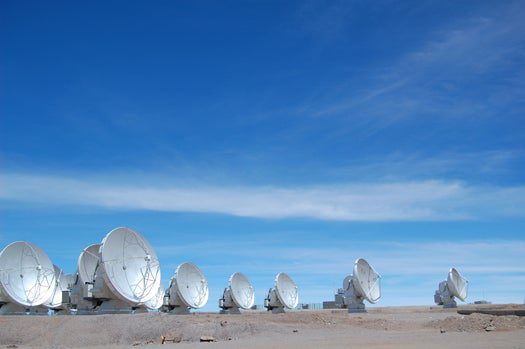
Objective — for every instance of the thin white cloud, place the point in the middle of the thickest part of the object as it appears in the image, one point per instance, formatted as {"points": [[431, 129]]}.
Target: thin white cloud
{"points": [[479, 165], [398, 259], [398, 201]]}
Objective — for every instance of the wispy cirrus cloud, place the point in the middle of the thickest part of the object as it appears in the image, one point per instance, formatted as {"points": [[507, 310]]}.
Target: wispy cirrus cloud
{"points": [[478, 166], [470, 68], [354, 201], [390, 258]]}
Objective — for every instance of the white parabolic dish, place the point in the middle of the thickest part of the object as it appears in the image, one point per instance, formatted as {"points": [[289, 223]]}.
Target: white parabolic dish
{"points": [[55, 300], [287, 291], [87, 263], [368, 281], [192, 286], [242, 291], [157, 301], [27, 275], [131, 267], [457, 284]]}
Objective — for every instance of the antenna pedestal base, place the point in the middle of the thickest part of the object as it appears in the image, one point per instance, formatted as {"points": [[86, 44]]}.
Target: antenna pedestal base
{"points": [[352, 301], [234, 310], [61, 312], [13, 309], [452, 304], [81, 300], [357, 308], [443, 296], [38, 311], [140, 310], [84, 307], [277, 310], [179, 310], [83, 311], [114, 306]]}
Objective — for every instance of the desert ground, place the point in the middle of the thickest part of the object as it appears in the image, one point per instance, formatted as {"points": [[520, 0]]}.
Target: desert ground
{"points": [[389, 327]]}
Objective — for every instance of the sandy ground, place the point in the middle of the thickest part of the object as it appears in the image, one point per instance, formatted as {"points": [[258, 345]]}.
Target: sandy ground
{"points": [[395, 327]]}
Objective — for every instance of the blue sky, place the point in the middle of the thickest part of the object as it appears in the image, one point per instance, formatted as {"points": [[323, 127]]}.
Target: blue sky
{"points": [[268, 136]]}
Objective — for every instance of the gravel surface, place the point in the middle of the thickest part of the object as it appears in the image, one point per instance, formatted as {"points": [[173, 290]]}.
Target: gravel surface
{"points": [[479, 322], [301, 329]]}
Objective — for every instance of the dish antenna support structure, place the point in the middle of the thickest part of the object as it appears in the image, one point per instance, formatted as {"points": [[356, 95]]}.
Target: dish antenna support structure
{"points": [[455, 286], [284, 295], [82, 299], [60, 301], [239, 294], [119, 275], [188, 290], [364, 283], [27, 278]]}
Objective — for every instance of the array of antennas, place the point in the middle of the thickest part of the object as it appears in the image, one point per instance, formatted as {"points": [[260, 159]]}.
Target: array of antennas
{"points": [[119, 275], [122, 275]]}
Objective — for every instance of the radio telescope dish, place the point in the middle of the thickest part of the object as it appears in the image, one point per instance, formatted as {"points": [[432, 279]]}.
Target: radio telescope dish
{"points": [[364, 283], [285, 294], [188, 289], [58, 302], [239, 294], [55, 301], [156, 302], [131, 266], [455, 286], [242, 291], [367, 278], [346, 281], [117, 276], [27, 277], [88, 263], [286, 291]]}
